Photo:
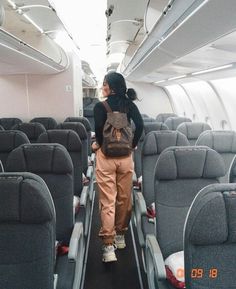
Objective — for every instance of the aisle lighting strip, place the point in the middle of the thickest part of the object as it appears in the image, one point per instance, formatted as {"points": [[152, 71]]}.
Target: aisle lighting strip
{"points": [[196, 73], [212, 69]]}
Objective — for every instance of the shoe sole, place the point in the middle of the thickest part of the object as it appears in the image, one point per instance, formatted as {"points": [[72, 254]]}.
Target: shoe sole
{"points": [[111, 258], [120, 246]]}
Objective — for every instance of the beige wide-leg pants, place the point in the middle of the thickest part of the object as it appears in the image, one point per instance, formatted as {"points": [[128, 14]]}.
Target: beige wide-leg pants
{"points": [[114, 179]]}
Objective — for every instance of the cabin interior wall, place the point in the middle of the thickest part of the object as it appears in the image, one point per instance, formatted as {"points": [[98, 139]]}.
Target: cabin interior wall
{"points": [[58, 95], [211, 102], [153, 99], [182, 103]]}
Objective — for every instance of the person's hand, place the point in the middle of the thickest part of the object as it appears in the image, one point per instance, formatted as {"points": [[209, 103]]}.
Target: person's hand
{"points": [[95, 146]]}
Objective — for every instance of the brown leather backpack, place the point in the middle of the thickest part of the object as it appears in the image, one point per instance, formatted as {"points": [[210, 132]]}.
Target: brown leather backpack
{"points": [[117, 134]]}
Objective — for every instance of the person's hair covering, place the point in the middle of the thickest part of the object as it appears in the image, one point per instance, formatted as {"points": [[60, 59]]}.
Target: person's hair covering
{"points": [[117, 83]]}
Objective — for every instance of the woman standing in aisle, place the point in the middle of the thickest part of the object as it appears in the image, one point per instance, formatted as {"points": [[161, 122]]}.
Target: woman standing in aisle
{"points": [[114, 174]]}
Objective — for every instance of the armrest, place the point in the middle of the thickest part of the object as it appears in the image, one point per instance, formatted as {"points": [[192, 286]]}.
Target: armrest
{"points": [[84, 196], [140, 204], [55, 281], [89, 172], [157, 258], [76, 237], [140, 211]]}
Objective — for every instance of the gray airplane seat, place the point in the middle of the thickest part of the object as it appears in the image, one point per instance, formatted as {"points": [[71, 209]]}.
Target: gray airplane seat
{"points": [[174, 122], [154, 143], [71, 141], [8, 122], [192, 130], [162, 117], [148, 119], [87, 126], [47, 122], [180, 173], [224, 142], [52, 162], [27, 232], [81, 131], [147, 127], [88, 111], [9, 140], [210, 239], [232, 171], [32, 130]]}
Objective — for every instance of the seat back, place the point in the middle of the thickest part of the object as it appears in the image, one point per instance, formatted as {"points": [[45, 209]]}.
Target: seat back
{"points": [[32, 130], [87, 126], [71, 141], [174, 122], [154, 143], [162, 117], [192, 130], [180, 173], [224, 142], [210, 239], [81, 131], [47, 122], [53, 164], [9, 140], [27, 232], [8, 122], [147, 127]]}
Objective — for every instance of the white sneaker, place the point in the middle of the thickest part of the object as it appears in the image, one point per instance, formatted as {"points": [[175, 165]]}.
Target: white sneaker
{"points": [[109, 253], [120, 241]]}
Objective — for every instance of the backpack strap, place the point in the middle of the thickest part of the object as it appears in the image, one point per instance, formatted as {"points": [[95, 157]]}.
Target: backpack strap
{"points": [[107, 106]]}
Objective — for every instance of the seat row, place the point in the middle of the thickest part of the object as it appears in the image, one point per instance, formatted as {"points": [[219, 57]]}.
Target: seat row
{"points": [[171, 178], [60, 164]]}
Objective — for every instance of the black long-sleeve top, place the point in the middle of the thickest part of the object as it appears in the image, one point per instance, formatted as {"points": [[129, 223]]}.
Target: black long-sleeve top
{"points": [[100, 116]]}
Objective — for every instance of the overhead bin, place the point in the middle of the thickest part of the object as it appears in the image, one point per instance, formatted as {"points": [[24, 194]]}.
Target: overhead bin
{"points": [[186, 27], [27, 36]]}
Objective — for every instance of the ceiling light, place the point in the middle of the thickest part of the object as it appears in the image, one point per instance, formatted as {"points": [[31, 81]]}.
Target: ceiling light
{"points": [[13, 5], [177, 77], [160, 81], [32, 22], [212, 69]]}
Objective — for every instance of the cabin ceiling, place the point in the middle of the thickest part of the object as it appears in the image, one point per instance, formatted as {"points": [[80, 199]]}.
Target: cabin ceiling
{"points": [[124, 24], [187, 37], [27, 38]]}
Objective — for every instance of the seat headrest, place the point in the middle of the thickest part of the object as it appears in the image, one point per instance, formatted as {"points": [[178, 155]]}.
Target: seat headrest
{"points": [[66, 137], [221, 141], [174, 122], [152, 126], [162, 117], [32, 130], [47, 122], [25, 199], [156, 141], [192, 130], [75, 126], [189, 163], [40, 158], [81, 119], [10, 139], [211, 218], [9, 122]]}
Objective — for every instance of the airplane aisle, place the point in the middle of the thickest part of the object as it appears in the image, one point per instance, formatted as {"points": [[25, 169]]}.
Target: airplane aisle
{"points": [[121, 274]]}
